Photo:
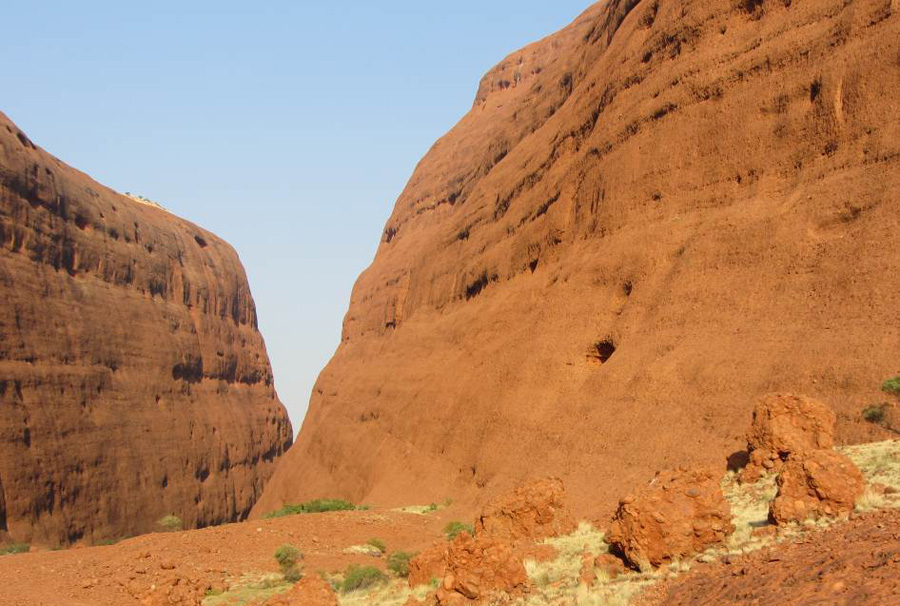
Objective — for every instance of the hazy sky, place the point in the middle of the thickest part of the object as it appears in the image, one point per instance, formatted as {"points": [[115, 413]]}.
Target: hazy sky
{"points": [[287, 128]]}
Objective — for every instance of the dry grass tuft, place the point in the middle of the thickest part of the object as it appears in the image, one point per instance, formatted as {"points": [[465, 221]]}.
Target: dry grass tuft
{"points": [[250, 588]]}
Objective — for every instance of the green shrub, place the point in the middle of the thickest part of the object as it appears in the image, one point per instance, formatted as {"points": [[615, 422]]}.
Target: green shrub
{"points": [[377, 544], [361, 577], [455, 527], [892, 386], [398, 563], [315, 506], [171, 523], [11, 548], [875, 413], [432, 507], [292, 575], [287, 557]]}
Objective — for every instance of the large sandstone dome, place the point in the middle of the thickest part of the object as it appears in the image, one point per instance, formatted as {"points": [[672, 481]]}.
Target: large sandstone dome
{"points": [[134, 382], [645, 222]]}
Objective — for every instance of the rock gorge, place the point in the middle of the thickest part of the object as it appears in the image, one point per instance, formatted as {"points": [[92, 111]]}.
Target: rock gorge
{"points": [[134, 382], [645, 222]]}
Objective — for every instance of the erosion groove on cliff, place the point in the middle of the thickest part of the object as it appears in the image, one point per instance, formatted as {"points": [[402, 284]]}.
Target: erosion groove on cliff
{"points": [[134, 382]]}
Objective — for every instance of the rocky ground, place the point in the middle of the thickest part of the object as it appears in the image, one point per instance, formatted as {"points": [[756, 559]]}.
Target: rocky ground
{"points": [[209, 560], [688, 537], [857, 562]]}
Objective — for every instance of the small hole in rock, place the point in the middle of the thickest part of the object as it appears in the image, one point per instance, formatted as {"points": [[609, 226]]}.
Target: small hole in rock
{"points": [[602, 351], [814, 89]]}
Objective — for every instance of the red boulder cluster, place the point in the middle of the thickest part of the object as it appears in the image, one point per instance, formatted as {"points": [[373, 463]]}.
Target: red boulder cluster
{"points": [[480, 567], [794, 437], [785, 424], [679, 514], [473, 569]]}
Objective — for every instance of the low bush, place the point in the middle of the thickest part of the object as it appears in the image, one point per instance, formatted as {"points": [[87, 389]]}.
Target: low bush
{"points": [[287, 557], [892, 386], [455, 527], [171, 523], [361, 577], [315, 506], [875, 413], [398, 563]]}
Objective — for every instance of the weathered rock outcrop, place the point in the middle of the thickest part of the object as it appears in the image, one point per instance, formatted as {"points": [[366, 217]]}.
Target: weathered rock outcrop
{"points": [[786, 425], [646, 222], [134, 382], [533, 511], [428, 564], [479, 567], [678, 515], [823, 483]]}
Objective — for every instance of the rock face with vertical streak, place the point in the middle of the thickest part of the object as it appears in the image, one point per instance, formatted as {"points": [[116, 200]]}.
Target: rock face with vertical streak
{"points": [[646, 222], [134, 382]]}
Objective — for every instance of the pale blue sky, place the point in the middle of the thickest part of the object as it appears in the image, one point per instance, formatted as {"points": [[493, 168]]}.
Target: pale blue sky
{"points": [[287, 128]]}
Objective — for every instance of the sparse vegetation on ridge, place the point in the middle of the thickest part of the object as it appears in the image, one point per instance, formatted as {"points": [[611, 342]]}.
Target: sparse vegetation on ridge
{"points": [[171, 523], [12, 548], [314, 506]]}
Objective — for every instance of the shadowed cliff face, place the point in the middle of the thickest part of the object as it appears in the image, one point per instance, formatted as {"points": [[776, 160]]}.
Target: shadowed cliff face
{"points": [[645, 222], [133, 380]]}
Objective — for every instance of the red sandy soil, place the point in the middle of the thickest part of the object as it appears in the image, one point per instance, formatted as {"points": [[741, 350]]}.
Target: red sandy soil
{"points": [[104, 576], [853, 564]]}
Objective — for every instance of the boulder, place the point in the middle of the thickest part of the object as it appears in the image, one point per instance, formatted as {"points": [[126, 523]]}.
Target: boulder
{"points": [[428, 564], [533, 511], [822, 483], [786, 424], [479, 568], [679, 514]]}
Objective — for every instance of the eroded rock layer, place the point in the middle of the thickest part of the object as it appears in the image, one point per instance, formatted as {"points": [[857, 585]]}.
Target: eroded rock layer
{"points": [[134, 382], [646, 222]]}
